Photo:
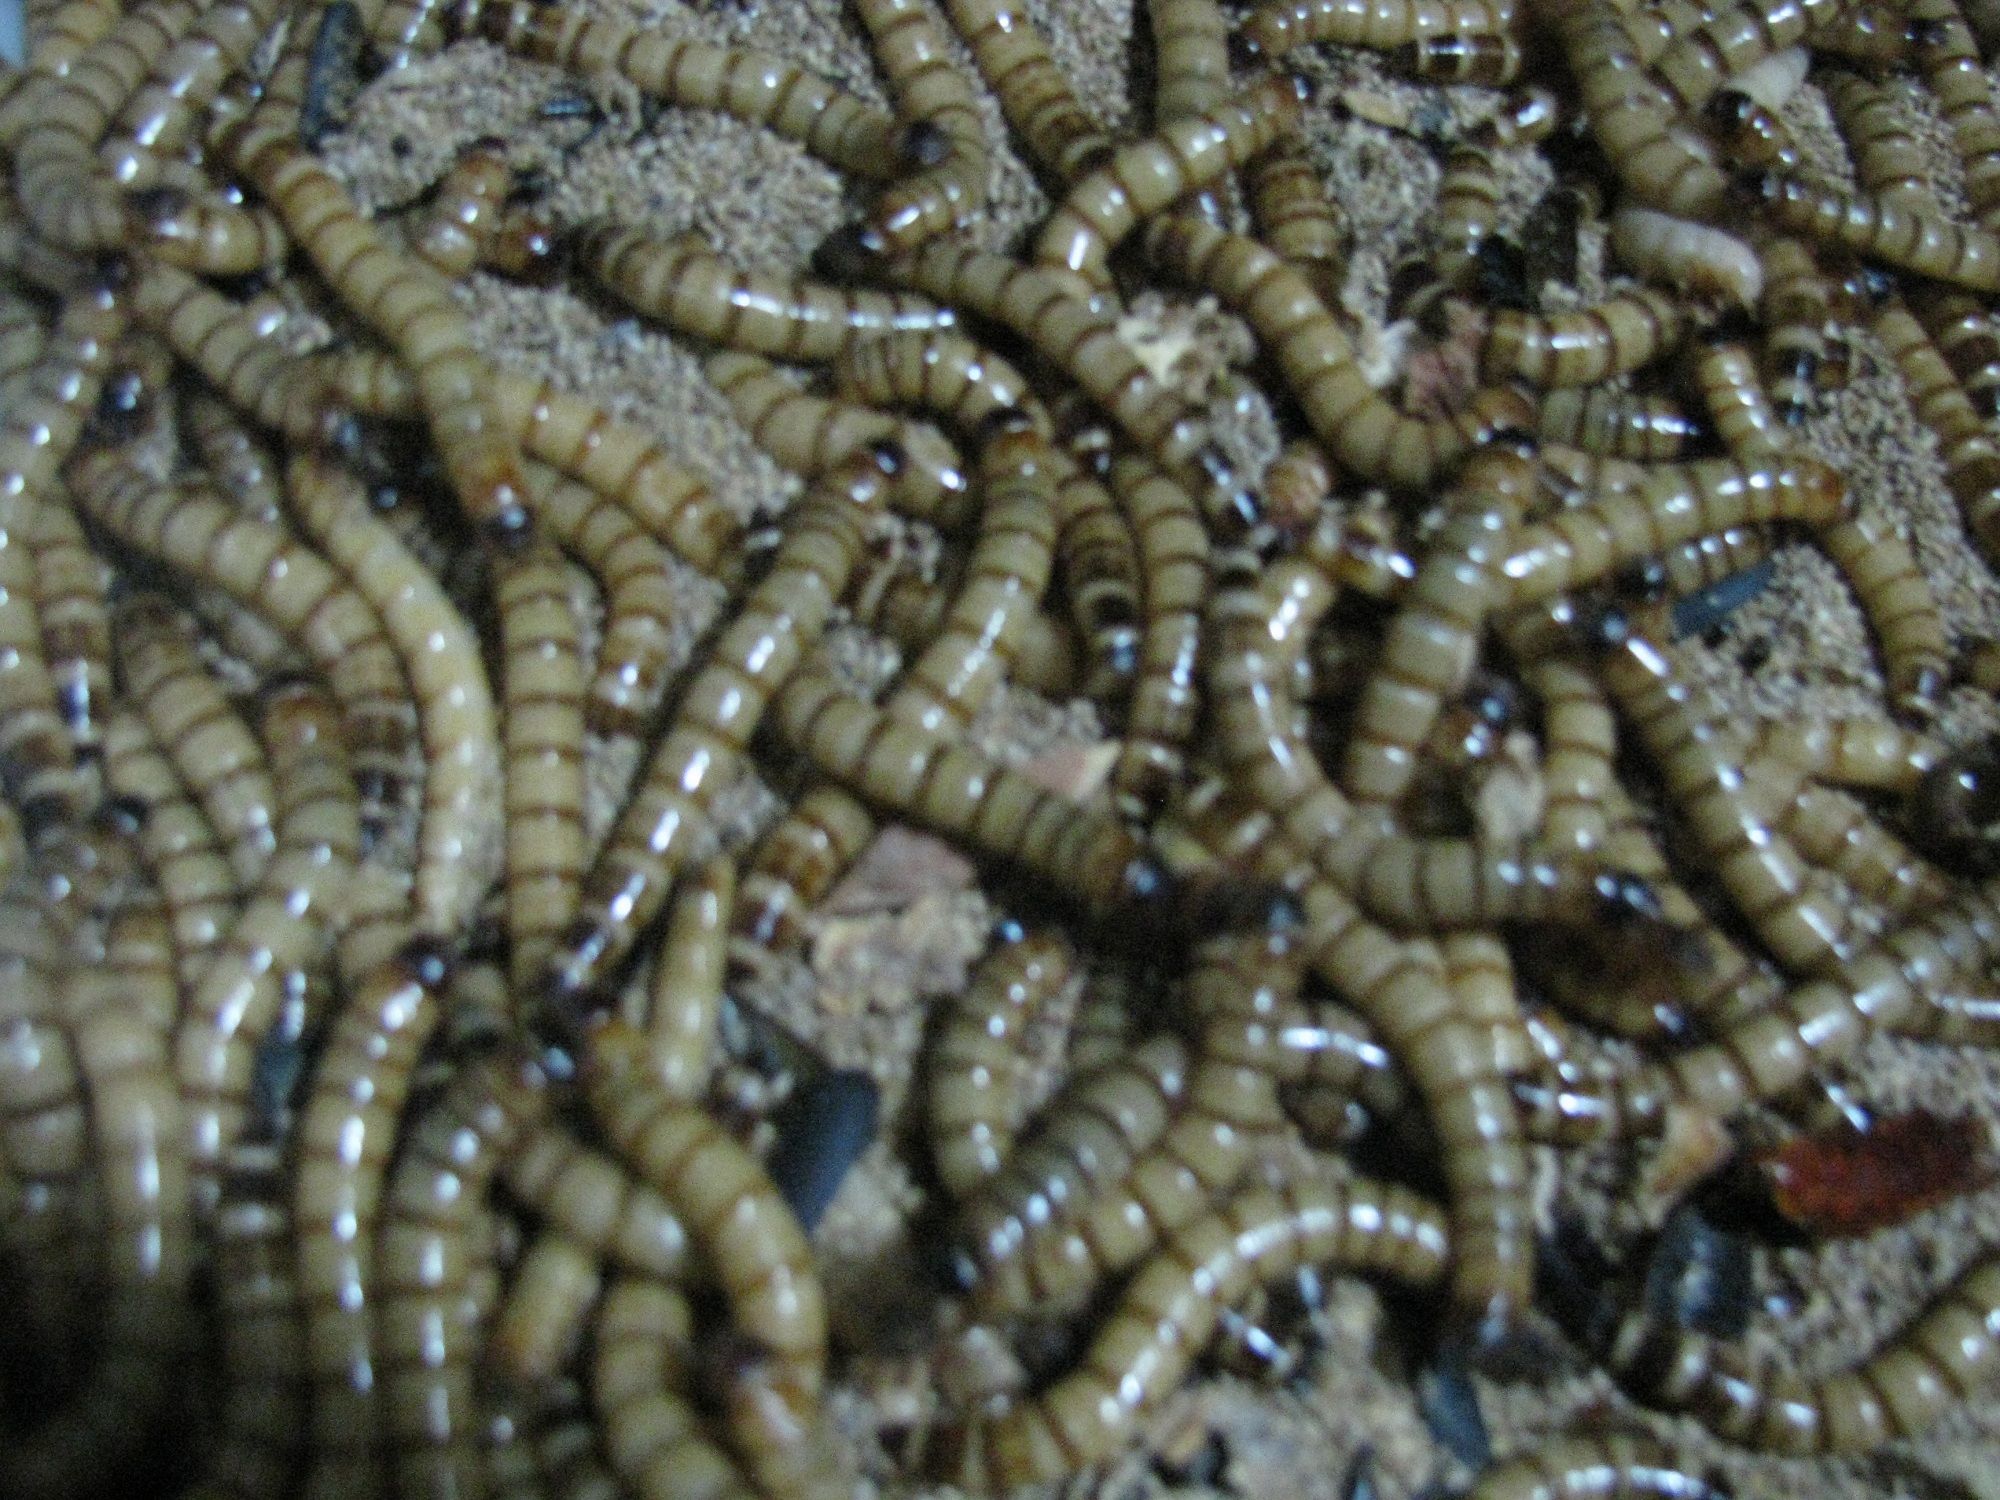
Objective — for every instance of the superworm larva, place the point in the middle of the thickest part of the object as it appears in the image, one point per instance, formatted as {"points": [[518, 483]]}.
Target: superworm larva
{"points": [[1365, 434], [943, 137], [717, 713], [71, 595], [1919, 240], [1055, 129], [286, 922], [1186, 154], [593, 1200], [1295, 213], [1887, 159], [1465, 215], [1100, 566], [1594, 1468], [459, 845], [1623, 333], [346, 1134], [1190, 56], [908, 610], [975, 1068], [1739, 409], [1750, 133], [1171, 1309], [199, 232], [1966, 335], [944, 373], [161, 116], [1277, 28], [1486, 58], [1901, 606], [797, 862], [542, 746], [540, 1322], [684, 284], [1970, 452], [1621, 424], [685, 991], [1700, 61], [1951, 64]]}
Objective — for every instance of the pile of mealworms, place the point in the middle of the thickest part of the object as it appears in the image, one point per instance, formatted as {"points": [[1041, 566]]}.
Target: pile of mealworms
{"points": [[386, 1104]]}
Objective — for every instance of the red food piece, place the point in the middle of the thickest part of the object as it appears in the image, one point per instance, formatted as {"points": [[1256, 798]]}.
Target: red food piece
{"points": [[1847, 1182]]}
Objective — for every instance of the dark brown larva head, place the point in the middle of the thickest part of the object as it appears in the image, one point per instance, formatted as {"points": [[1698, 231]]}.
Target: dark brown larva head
{"points": [[1955, 810], [124, 815], [1756, 185], [1225, 904], [1003, 422], [847, 254], [511, 527], [1644, 579], [888, 458], [1732, 109], [924, 143], [154, 208], [427, 960], [1601, 624], [1624, 898]]}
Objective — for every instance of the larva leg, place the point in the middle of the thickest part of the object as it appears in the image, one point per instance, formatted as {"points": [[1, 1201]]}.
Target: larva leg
{"points": [[974, 1069], [718, 711], [1056, 131], [756, 87], [636, 652], [1187, 154], [542, 744], [540, 1322], [285, 923], [346, 1133], [1594, 1468], [810, 434], [594, 1201], [685, 992], [1940, 1359], [459, 846], [942, 132], [187, 713], [1171, 1310], [657, 1442], [177, 843], [428, 1330]]}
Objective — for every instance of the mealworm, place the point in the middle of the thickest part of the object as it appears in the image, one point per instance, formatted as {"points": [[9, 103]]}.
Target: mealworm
{"points": [[1099, 559], [718, 711], [235, 459], [191, 718], [160, 118], [1186, 154], [56, 184], [745, 1231], [1669, 504], [1796, 310], [1859, 752], [1078, 850], [71, 589], [1738, 408], [1956, 73], [1295, 214], [1623, 333], [1900, 606], [1970, 453], [236, 351], [405, 30], [1365, 433], [1969, 340], [1911, 239], [1619, 424], [346, 1132], [1277, 28], [684, 284], [199, 231], [1083, 341], [459, 841], [1465, 215], [1429, 650], [1750, 134], [542, 747], [757, 88], [263, 1404], [1699, 61], [1887, 159], [943, 135], [423, 1262], [402, 300], [460, 220], [685, 992], [810, 434], [656, 1441], [635, 652], [943, 373], [1843, 839], [299, 898], [176, 842], [976, 1069], [592, 1200], [1613, 1467], [540, 1323], [1171, 1309], [1942, 1357], [147, 1246], [797, 863], [908, 611], [1484, 58]]}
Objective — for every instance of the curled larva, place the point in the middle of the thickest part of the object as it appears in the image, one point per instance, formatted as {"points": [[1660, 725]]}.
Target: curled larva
{"points": [[459, 841], [346, 1133], [1701, 59], [1698, 258], [756, 87], [1365, 433], [1943, 1357], [687, 286], [1275, 29], [1056, 131], [1618, 424], [702, 751], [1594, 1468], [975, 1069], [284, 924], [426, 1259], [1170, 1311], [542, 749], [1916, 239], [797, 862], [1139, 180], [943, 136], [810, 434], [635, 652]]}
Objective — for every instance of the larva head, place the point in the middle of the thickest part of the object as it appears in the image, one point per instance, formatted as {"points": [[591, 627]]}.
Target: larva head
{"points": [[1645, 579], [852, 252], [427, 961], [1600, 623], [922, 144], [1823, 490], [123, 403], [1758, 185], [1624, 899], [124, 816], [1239, 511], [1223, 903], [510, 526], [1955, 810]]}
